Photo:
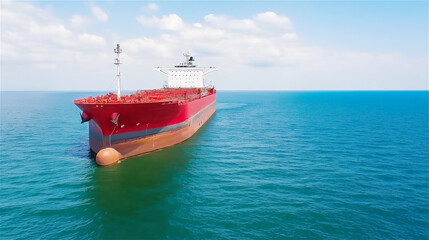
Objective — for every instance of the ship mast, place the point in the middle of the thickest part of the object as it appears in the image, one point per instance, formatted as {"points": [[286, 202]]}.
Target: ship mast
{"points": [[117, 62]]}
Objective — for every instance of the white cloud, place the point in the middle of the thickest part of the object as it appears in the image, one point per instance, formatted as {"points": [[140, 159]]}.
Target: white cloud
{"points": [[170, 22], [147, 44], [238, 40], [99, 14], [267, 47], [290, 36], [226, 22], [273, 18], [153, 6], [91, 39], [256, 52], [49, 30], [79, 21], [32, 36], [46, 66]]}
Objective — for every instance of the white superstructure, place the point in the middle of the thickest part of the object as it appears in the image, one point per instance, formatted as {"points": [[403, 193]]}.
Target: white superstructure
{"points": [[186, 74]]}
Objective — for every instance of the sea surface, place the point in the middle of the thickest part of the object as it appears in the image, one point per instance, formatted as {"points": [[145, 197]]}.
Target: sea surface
{"points": [[267, 165]]}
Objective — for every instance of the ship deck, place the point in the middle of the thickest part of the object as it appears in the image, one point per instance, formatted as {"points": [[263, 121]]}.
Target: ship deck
{"points": [[150, 96]]}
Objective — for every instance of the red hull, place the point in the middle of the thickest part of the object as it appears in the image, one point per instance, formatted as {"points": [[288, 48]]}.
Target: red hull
{"points": [[126, 127]]}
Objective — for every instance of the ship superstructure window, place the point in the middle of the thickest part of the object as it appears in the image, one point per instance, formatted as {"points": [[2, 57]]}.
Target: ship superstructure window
{"points": [[186, 78]]}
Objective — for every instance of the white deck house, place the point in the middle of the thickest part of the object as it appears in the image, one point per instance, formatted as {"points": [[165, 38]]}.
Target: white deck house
{"points": [[186, 74]]}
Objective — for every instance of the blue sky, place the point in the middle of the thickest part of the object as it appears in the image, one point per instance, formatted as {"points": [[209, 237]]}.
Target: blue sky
{"points": [[279, 45]]}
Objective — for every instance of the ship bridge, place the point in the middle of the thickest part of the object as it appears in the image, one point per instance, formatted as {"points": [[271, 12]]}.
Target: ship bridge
{"points": [[186, 74]]}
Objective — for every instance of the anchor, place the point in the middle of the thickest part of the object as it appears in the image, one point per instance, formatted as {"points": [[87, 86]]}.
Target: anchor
{"points": [[115, 117]]}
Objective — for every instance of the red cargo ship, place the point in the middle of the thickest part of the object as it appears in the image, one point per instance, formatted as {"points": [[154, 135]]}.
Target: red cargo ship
{"points": [[124, 126]]}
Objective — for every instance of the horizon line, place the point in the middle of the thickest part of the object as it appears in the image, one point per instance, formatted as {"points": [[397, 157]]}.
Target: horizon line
{"points": [[244, 90]]}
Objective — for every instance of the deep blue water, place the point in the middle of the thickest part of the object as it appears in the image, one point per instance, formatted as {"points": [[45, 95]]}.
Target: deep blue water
{"points": [[268, 165]]}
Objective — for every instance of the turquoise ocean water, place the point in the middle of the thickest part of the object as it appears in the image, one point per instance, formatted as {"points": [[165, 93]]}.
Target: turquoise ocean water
{"points": [[268, 165]]}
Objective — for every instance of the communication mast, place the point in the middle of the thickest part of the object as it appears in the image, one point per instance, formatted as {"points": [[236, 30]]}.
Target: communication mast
{"points": [[117, 62]]}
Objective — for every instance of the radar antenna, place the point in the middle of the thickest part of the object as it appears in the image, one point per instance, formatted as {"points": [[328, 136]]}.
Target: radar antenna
{"points": [[117, 62], [187, 56], [189, 60]]}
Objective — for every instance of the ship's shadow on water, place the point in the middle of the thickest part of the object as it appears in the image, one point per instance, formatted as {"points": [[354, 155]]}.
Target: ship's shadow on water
{"points": [[136, 194]]}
